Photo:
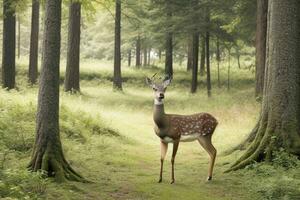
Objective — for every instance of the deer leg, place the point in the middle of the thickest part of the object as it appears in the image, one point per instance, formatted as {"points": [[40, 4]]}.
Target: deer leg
{"points": [[163, 150], [175, 147], [210, 149]]}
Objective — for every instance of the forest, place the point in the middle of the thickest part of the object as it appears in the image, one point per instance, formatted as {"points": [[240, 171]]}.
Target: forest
{"points": [[150, 99]]}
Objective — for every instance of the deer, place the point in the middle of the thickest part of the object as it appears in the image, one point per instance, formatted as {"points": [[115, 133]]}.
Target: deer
{"points": [[174, 128]]}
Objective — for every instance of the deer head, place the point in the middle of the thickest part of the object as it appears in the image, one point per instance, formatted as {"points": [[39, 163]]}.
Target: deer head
{"points": [[158, 88]]}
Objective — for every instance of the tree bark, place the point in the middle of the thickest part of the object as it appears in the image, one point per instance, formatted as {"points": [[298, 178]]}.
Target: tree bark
{"points": [[47, 151], [34, 42], [218, 61], [138, 52], [202, 61], [117, 60], [169, 43], [189, 54], [279, 125], [145, 56], [72, 79], [19, 36], [149, 57], [129, 57], [195, 53], [261, 35], [228, 69], [9, 45], [208, 55]]}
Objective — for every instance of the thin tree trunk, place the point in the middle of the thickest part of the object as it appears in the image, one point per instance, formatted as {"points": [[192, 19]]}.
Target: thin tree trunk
{"points": [[238, 57], [34, 42], [129, 57], [195, 43], [47, 151], [228, 70], [19, 36], [208, 55], [218, 61], [202, 61], [189, 54], [117, 60], [280, 114], [159, 54], [9, 45], [149, 56], [145, 56], [72, 82], [169, 43], [138, 52], [261, 33]]}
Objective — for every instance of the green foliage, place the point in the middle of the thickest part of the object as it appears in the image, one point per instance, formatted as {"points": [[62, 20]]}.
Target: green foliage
{"points": [[21, 184]]}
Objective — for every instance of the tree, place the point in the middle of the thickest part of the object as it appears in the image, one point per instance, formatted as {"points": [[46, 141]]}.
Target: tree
{"points": [[34, 42], [278, 126], [189, 54], [207, 38], [138, 52], [202, 60], [47, 151], [117, 59], [195, 54], [169, 43], [261, 35], [145, 55], [9, 45], [72, 80], [218, 61], [129, 57]]}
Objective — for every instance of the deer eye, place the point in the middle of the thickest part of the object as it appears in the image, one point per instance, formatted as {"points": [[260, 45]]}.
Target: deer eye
{"points": [[155, 89]]}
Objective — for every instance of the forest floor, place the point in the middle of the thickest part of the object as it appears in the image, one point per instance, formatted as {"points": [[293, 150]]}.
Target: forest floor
{"points": [[108, 138]]}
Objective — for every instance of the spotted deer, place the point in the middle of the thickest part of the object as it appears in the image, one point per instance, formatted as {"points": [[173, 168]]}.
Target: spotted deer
{"points": [[171, 128]]}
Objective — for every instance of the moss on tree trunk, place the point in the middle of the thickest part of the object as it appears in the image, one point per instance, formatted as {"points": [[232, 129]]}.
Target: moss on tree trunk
{"points": [[279, 125]]}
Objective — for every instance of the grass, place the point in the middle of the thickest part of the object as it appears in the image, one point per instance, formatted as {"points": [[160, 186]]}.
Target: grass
{"points": [[108, 137]]}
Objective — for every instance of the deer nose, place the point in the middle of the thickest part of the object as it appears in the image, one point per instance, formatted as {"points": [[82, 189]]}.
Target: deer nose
{"points": [[161, 96]]}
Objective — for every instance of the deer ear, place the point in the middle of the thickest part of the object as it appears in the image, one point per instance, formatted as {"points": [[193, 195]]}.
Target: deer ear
{"points": [[167, 82], [149, 82]]}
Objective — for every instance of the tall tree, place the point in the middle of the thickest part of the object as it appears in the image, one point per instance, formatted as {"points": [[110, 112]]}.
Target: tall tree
{"points": [[169, 42], [9, 45], [189, 54], [47, 151], [279, 122], [195, 62], [261, 35], [129, 58], [34, 42], [207, 39], [138, 52], [145, 55], [19, 36], [72, 79], [203, 56], [117, 59], [218, 60]]}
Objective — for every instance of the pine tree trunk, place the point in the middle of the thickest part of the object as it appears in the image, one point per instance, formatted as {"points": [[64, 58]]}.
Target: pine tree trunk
{"points": [[218, 61], [208, 56], [261, 35], [47, 151], [34, 42], [145, 56], [72, 78], [195, 62], [117, 59], [169, 43], [129, 57], [202, 61], [19, 36], [279, 125], [9, 45], [228, 69], [189, 54], [138, 52]]}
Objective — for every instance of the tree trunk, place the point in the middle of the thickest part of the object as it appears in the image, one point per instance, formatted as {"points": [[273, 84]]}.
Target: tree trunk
{"points": [[72, 78], [149, 57], [169, 43], [159, 54], [261, 34], [34, 42], [195, 62], [129, 57], [208, 56], [279, 123], [218, 61], [228, 69], [19, 36], [202, 61], [189, 54], [238, 56], [117, 60], [138, 52], [9, 45], [47, 151], [145, 56]]}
